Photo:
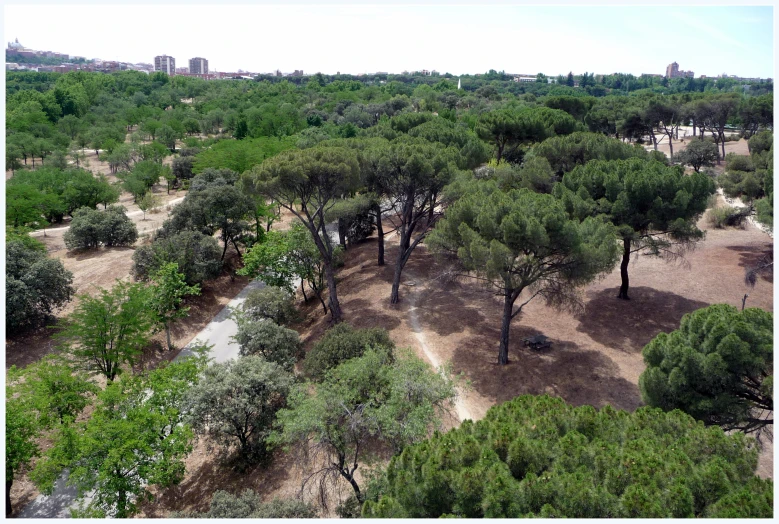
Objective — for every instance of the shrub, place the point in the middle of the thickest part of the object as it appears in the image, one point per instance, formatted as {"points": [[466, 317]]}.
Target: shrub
{"points": [[269, 340], [762, 141], [90, 228], [340, 343], [765, 210], [734, 162], [198, 256], [271, 302], [726, 216]]}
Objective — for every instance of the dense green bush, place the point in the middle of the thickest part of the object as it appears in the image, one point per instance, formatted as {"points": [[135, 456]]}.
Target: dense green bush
{"points": [[269, 340], [340, 343], [566, 152], [762, 141], [91, 228], [734, 162], [270, 302], [725, 216], [538, 456], [35, 286], [197, 255]]}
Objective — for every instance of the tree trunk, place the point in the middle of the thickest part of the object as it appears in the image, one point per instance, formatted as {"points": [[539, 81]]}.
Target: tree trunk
{"points": [[623, 269], [342, 232], [503, 350], [722, 142], [693, 129], [8, 507], [335, 307], [394, 297], [303, 290], [380, 234], [671, 147], [355, 487], [224, 251]]}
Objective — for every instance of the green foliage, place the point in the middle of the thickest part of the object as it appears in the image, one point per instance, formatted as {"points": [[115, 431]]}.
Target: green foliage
{"points": [[725, 216], [90, 228], [240, 155], [765, 210], [535, 174], [109, 330], [566, 152], [267, 339], [249, 505], [35, 285], [166, 294], [698, 153], [53, 390], [734, 162], [396, 401], [341, 343], [236, 402], [762, 141], [272, 303], [540, 457], [718, 367], [742, 184], [198, 256], [134, 439]]}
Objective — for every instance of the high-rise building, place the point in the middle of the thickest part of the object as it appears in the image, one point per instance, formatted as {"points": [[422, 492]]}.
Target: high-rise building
{"points": [[198, 66], [166, 64], [672, 71]]}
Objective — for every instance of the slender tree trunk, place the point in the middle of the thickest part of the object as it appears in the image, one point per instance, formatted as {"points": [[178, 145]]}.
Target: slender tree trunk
{"points": [[722, 142], [380, 234], [335, 307], [355, 487], [224, 251], [8, 508], [503, 350], [342, 232], [623, 269], [395, 295], [671, 147], [694, 129], [303, 290]]}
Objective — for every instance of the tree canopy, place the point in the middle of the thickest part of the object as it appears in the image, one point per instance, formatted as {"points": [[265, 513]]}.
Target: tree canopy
{"points": [[540, 457], [718, 367]]}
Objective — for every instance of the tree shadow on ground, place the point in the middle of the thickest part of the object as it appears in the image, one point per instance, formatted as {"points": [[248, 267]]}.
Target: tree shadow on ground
{"points": [[88, 254], [629, 325], [753, 255], [444, 311], [215, 473], [362, 315], [578, 375]]}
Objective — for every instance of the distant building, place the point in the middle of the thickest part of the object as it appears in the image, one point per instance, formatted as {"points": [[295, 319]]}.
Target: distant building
{"points": [[166, 64], [524, 78], [297, 72], [198, 66], [182, 70], [672, 71]]}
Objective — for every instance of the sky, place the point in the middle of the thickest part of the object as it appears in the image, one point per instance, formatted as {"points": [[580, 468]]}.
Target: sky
{"points": [[454, 38]]}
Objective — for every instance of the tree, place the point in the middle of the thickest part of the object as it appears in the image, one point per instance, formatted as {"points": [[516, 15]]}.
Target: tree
{"points": [[267, 339], [198, 256], [167, 292], [395, 401], [236, 402], [668, 115], [411, 174], [35, 285], [718, 367], [569, 79], [21, 432], [109, 330], [135, 438], [248, 504], [90, 228], [698, 153], [654, 207], [540, 457], [519, 241], [341, 343], [168, 136], [149, 201], [307, 183]]}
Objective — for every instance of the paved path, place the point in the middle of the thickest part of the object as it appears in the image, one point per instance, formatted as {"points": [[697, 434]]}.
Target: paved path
{"points": [[216, 333]]}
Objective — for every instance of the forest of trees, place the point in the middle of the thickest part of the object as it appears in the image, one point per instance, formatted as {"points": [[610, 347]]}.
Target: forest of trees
{"points": [[532, 189]]}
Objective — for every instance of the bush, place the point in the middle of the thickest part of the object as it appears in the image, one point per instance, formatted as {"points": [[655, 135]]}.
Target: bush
{"points": [[340, 343], [90, 228], [726, 216], [762, 141], [270, 302], [249, 505], [765, 210], [270, 341], [734, 162], [741, 184], [35, 285], [198, 256]]}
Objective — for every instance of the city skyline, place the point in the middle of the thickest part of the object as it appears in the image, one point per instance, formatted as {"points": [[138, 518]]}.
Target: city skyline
{"points": [[717, 40]]}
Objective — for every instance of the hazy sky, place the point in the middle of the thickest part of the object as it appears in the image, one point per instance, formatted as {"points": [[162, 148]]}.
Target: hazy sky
{"points": [[457, 39]]}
